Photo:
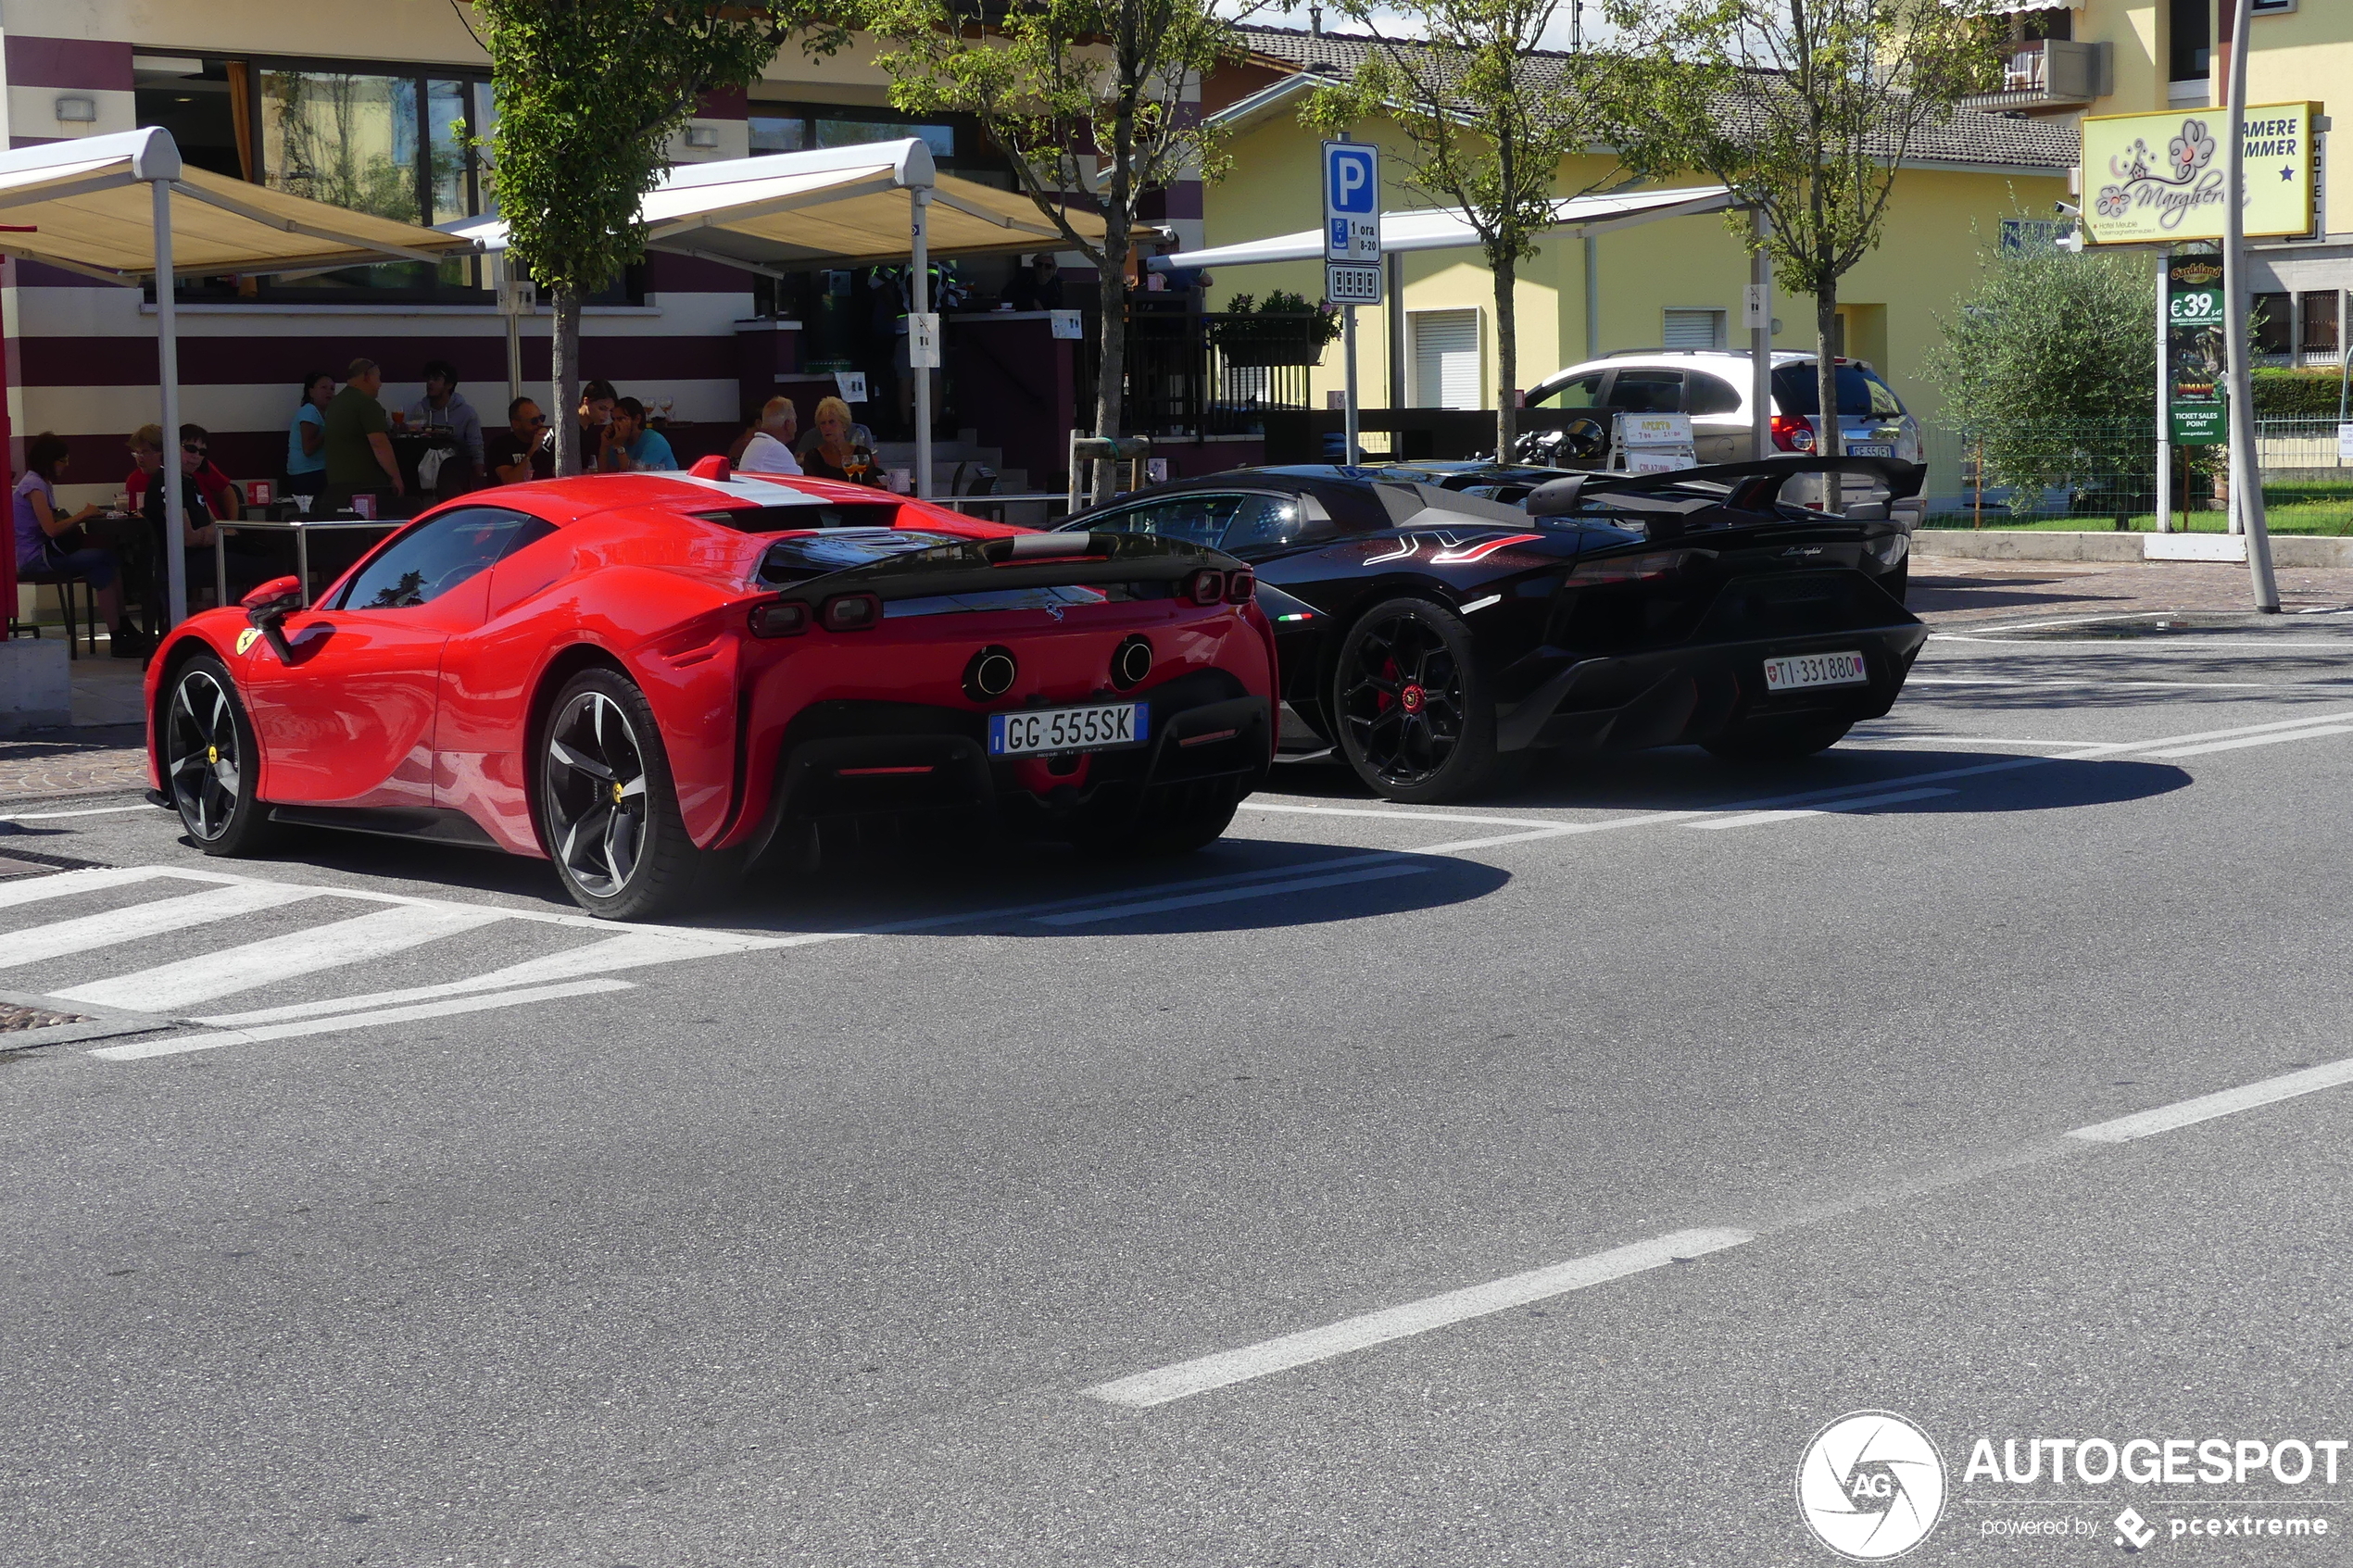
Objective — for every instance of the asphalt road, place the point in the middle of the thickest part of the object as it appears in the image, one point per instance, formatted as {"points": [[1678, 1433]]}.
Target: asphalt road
{"points": [[1522, 1182]]}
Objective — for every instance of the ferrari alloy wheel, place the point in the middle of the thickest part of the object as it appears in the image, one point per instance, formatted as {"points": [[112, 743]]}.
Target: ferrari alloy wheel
{"points": [[209, 760], [1414, 715], [609, 814]]}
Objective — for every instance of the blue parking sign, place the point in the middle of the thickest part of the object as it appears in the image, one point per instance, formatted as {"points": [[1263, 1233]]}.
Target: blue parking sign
{"points": [[1352, 201]]}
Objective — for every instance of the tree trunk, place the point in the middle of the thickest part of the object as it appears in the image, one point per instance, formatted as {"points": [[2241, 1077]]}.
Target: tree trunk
{"points": [[1506, 359], [1111, 378], [562, 417], [1826, 440]]}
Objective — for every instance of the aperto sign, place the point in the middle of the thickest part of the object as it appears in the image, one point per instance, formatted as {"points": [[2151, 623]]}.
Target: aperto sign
{"points": [[2153, 178]]}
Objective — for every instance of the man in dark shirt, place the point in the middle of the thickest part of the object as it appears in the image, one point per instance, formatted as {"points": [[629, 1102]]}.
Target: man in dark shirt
{"points": [[523, 451], [359, 456]]}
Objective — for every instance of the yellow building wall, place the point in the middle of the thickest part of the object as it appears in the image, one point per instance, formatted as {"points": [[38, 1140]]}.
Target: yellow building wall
{"points": [[1940, 224]]}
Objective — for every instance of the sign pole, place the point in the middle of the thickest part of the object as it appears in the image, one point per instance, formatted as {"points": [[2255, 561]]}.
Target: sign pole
{"points": [[2246, 469], [1352, 259], [2164, 389]]}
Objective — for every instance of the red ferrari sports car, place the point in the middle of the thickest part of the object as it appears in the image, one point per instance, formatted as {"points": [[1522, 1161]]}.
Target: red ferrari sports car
{"points": [[650, 678]]}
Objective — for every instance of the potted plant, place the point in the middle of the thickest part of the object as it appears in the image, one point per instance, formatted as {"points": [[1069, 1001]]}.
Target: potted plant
{"points": [[1286, 330]]}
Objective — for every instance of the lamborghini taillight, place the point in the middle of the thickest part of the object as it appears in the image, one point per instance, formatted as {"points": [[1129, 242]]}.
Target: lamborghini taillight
{"points": [[1656, 566]]}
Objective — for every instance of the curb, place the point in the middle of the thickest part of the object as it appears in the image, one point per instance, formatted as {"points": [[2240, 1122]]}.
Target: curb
{"points": [[1992, 544]]}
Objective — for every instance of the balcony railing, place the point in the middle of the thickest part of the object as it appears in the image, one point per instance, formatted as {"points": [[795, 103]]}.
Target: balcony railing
{"points": [[2048, 71]]}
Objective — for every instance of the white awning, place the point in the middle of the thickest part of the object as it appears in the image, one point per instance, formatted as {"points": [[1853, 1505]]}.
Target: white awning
{"points": [[833, 203], [88, 206], [1443, 229]]}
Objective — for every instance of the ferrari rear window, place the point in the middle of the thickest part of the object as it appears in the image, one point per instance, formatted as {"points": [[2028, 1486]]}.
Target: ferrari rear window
{"points": [[998, 598], [799, 555], [785, 520]]}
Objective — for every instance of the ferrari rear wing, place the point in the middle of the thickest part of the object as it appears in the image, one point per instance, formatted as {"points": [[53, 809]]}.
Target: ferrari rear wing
{"points": [[1021, 560], [1752, 486]]}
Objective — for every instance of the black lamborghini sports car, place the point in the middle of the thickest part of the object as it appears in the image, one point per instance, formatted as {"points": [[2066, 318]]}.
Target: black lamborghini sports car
{"points": [[1429, 628]]}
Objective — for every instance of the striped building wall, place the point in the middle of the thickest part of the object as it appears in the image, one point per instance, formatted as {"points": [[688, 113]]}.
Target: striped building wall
{"points": [[80, 355]]}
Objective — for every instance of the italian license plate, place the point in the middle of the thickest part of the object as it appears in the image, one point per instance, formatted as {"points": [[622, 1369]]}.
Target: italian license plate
{"points": [[1044, 730], [1870, 449], [1816, 669]]}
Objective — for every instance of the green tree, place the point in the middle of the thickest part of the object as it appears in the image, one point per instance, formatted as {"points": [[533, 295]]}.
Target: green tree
{"points": [[1086, 100], [589, 94], [1486, 120], [1806, 109], [2048, 366]]}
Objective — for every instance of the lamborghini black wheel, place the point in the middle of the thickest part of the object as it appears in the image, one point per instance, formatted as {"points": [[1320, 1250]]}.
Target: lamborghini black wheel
{"points": [[608, 811], [209, 761], [1415, 717]]}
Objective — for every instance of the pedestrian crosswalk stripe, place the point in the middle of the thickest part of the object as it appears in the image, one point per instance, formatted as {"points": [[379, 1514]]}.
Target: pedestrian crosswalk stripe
{"points": [[158, 918], [180, 1045], [360, 939]]}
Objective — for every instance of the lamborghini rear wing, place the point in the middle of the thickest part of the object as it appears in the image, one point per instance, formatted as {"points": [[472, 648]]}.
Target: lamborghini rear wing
{"points": [[1752, 486]]}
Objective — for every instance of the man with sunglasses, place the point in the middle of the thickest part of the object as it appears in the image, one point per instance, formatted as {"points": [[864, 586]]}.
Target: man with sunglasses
{"points": [[221, 499], [524, 450]]}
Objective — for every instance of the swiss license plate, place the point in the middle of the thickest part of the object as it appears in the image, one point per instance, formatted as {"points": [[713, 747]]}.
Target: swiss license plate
{"points": [[1870, 449], [1042, 730], [1816, 669]]}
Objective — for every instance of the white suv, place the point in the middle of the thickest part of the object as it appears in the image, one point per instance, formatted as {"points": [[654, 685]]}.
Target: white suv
{"points": [[1712, 386]]}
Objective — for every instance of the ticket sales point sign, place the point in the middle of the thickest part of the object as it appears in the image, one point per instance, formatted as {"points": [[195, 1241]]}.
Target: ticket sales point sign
{"points": [[1351, 202], [2150, 179]]}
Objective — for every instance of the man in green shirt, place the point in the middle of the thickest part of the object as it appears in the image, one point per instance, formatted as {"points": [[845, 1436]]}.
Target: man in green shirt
{"points": [[358, 446]]}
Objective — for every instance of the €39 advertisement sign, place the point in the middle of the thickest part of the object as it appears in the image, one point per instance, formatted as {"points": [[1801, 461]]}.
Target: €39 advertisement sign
{"points": [[2153, 179], [2194, 350]]}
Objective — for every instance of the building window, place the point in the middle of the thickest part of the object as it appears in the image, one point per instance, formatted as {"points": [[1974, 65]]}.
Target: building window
{"points": [[2190, 28], [2274, 323], [1445, 359], [1693, 329], [2321, 321], [791, 128]]}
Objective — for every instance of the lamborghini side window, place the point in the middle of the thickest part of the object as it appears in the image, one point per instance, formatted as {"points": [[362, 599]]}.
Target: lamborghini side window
{"points": [[1198, 518], [1264, 520], [433, 558]]}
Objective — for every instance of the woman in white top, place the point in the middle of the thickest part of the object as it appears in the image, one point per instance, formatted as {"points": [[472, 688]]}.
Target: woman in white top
{"points": [[769, 448]]}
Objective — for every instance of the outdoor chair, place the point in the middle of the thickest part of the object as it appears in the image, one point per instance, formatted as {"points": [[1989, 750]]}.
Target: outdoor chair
{"points": [[65, 585]]}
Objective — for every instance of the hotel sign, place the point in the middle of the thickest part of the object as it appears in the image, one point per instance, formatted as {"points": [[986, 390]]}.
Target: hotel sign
{"points": [[2150, 179]]}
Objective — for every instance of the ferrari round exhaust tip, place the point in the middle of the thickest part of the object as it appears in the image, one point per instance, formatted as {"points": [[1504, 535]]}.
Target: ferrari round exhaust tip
{"points": [[990, 673], [1131, 662]]}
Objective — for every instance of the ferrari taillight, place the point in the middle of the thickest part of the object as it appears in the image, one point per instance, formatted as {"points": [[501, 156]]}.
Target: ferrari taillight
{"points": [[1793, 434], [1206, 587], [779, 618], [1655, 567], [1239, 585], [852, 612]]}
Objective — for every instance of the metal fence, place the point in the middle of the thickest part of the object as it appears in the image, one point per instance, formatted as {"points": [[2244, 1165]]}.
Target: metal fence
{"points": [[1181, 385], [2102, 473]]}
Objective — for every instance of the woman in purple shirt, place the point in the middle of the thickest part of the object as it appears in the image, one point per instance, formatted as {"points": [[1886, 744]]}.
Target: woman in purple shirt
{"points": [[41, 533]]}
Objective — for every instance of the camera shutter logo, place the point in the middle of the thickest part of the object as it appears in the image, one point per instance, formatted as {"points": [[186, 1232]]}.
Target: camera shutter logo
{"points": [[1871, 1485]]}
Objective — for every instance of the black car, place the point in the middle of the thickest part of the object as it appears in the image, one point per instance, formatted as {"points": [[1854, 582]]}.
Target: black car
{"points": [[1428, 632]]}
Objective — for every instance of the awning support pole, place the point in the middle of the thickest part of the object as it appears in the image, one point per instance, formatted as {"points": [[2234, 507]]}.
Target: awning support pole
{"points": [[919, 302], [175, 559], [1760, 334]]}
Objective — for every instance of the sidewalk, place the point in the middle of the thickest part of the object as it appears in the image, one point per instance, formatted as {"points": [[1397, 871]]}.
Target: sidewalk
{"points": [[105, 751]]}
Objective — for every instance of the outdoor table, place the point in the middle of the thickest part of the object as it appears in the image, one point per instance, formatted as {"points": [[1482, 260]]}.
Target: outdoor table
{"points": [[301, 528]]}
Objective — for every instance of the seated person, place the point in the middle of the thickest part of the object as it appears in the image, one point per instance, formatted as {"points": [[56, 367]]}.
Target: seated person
{"points": [[834, 451], [597, 399], [634, 446], [769, 449], [525, 450], [221, 495], [45, 541]]}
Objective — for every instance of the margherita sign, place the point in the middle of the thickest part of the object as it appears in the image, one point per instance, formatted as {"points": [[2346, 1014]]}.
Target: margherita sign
{"points": [[2154, 178]]}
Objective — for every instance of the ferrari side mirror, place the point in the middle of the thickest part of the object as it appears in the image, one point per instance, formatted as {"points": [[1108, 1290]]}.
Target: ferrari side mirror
{"points": [[269, 605]]}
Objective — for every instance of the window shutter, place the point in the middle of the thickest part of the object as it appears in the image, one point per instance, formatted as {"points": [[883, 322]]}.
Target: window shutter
{"points": [[1693, 329], [1446, 358]]}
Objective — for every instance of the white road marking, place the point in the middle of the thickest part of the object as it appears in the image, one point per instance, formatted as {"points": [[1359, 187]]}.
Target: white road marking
{"points": [[2063, 683], [65, 885], [1404, 816], [629, 950], [180, 1045], [1186, 1379], [2246, 1097], [1560, 830], [170, 986], [1225, 895], [87, 811], [2246, 741], [156, 918], [1860, 803]]}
